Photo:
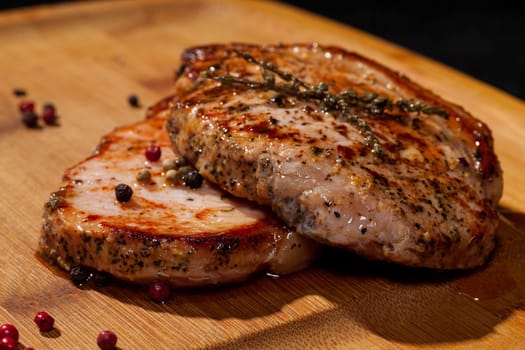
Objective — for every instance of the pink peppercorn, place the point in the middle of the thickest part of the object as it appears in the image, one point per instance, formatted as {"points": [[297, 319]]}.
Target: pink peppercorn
{"points": [[107, 340], [153, 153], [26, 106], [8, 330], [159, 291], [44, 321], [8, 343], [49, 114]]}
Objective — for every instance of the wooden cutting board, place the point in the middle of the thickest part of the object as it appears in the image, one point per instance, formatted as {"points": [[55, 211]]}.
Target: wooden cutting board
{"points": [[88, 57]]}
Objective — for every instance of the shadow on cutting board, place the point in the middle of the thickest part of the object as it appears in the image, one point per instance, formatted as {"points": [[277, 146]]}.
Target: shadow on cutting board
{"points": [[345, 297]]}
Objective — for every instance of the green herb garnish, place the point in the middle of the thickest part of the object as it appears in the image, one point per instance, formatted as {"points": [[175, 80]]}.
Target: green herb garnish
{"points": [[345, 102]]}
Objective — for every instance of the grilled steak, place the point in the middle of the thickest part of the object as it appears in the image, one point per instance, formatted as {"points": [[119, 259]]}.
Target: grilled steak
{"points": [[343, 149], [190, 237]]}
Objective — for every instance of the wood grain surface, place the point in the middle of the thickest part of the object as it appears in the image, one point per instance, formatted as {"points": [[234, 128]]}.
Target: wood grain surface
{"points": [[88, 57]]}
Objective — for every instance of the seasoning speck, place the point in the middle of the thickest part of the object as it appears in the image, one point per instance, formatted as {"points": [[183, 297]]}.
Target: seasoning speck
{"points": [[123, 192], [133, 101]]}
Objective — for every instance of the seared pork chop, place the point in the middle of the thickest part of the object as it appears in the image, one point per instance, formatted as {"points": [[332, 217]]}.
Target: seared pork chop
{"points": [[190, 237], [343, 149]]}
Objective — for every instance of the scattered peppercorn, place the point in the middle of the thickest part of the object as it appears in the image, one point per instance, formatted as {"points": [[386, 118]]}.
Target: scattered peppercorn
{"points": [[80, 275], [8, 343], [159, 291], [49, 114], [180, 162], [173, 176], [176, 176], [18, 92], [169, 164], [123, 192], [133, 101], [8, 330], [44, 321], [107, 340], [192, 179], [26, 106], [153, 153], [30, 119], [144, 176], [184, 170]]}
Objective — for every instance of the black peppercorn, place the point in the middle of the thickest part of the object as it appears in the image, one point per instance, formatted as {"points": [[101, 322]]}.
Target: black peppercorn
{"points": [[19, 92], [80, 275], [180, 162], [123, 192], [192, 179], [30, 119], [133, 101]]}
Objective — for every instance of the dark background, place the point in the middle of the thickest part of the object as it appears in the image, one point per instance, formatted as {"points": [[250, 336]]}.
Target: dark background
{"points": [[483, 39]]}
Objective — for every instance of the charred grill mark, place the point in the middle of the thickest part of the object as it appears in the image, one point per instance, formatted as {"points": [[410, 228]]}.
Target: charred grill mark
{"points": [[260, 127], [475, 132], [378, 179], [153, 238], [347, 153], [404, 139], [342, 129], [91, 218]]}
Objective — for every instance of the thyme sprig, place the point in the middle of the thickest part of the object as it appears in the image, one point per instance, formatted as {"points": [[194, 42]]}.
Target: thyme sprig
{"points": [[348, 103]]}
